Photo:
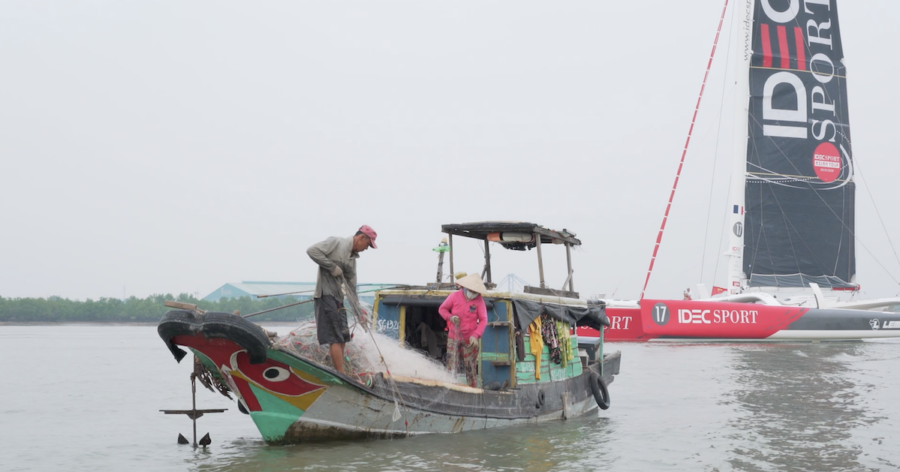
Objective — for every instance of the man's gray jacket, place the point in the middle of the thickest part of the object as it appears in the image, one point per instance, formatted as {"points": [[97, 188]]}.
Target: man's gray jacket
{"points": [[331, 252]]}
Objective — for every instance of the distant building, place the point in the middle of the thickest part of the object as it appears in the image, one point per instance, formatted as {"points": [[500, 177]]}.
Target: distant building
{"points": [[252, 289]]}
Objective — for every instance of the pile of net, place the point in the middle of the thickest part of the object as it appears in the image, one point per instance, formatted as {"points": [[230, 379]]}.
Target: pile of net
{"points": [[361, 359]]}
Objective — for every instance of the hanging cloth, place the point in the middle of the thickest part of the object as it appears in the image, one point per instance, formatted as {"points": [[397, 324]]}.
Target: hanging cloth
{"points": [[548, 332], [536, 343], [520, 346], [565, 342]]}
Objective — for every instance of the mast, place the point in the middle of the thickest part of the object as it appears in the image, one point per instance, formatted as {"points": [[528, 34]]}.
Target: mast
{"points": [[743, 27]]}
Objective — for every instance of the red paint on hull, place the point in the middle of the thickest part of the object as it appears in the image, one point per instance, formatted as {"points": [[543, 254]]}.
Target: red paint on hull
{"points": [[220, 351], [695, 319]]}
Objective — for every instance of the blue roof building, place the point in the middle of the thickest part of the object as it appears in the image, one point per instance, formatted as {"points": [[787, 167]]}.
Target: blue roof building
{"points": [[252, 289]]}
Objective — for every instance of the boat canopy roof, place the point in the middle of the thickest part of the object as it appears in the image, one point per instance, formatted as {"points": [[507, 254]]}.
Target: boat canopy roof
{"points": [[492, 231], [519, 236]]}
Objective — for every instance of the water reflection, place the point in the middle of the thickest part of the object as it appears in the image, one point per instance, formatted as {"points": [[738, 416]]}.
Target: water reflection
{"points": [[796, 407], [577, 443]]}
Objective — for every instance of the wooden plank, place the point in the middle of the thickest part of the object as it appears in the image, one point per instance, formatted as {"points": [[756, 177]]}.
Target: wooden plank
{"points": [[452, 274], [401, 320], [487, 260], [537, 244], [551, 292], [495, 356]]}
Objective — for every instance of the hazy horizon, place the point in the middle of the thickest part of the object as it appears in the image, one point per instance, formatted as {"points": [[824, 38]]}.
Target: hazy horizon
{"points": [[169, 147]]}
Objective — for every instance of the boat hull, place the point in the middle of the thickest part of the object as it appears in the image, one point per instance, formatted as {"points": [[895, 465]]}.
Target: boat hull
{"points": [[347, 412], [689, 320], [293, 399]]}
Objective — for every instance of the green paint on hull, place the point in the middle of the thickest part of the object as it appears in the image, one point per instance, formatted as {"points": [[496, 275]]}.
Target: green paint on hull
{"points": [[205, 360], [276, 415], [550, 371]]}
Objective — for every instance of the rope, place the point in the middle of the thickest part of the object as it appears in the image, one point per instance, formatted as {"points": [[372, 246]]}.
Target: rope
{"points": [[279, 308], [310, 300], [684, 152], [843, 224], [313, 290], [395, 391], [880, 220], [712, 179]]}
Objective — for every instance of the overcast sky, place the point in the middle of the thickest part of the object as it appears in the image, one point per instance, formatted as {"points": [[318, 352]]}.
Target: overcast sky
{"points": [[171, 146]]}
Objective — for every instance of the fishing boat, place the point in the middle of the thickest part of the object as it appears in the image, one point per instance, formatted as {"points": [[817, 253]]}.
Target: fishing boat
{"points": [[294, 398], [791, 208]]}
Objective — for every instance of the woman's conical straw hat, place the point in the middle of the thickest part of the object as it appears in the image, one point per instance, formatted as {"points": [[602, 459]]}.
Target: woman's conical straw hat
{"points": [[472, 282]]}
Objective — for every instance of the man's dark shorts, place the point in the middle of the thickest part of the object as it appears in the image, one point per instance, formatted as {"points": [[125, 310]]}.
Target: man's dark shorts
{"points": [[331, 321]]}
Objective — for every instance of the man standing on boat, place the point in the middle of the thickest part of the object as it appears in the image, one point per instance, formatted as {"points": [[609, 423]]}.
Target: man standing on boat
{"points": [[336, 258]]}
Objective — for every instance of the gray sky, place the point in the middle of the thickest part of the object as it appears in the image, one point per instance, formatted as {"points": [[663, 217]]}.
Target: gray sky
{"points": [[153, 147]]}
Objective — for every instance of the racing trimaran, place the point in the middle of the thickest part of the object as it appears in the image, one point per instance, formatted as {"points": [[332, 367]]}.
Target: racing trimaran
{"points": [[791, 203]]}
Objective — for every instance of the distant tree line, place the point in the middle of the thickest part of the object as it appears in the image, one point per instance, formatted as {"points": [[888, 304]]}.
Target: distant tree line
{"points": [[133, 309]]}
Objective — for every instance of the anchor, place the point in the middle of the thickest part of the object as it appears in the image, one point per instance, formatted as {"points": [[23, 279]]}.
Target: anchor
{"points": [[194, 413]]}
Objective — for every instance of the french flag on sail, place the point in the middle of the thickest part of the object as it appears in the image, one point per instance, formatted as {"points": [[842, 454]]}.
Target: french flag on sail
{"points": [[738, 210]]}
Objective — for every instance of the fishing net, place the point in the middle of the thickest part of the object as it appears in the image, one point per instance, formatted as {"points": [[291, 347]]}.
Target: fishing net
{"points": [[361, 359]]}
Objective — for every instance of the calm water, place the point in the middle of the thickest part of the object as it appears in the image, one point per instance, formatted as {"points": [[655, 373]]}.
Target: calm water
{"points": [[78, 397]]}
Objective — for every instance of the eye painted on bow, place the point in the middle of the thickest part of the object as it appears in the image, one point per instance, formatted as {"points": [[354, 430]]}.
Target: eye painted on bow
{"points": [[276, 374]]}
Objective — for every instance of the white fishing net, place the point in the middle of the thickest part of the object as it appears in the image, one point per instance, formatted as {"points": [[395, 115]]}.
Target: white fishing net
{"points": [[361, 359]]}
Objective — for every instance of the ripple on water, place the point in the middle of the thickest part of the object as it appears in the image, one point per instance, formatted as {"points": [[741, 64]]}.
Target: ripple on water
{"points": [[827, 406]]}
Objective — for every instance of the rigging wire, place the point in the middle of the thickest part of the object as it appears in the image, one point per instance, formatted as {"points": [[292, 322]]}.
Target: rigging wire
{"points": [[712, 179], [849, 229], [395, 391], [880, 220], [811, 187], [662, 227]]}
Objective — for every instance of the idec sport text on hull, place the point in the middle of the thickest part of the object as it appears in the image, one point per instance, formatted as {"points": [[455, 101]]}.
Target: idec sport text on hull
{"points": [[697, 316], [619, 322]]}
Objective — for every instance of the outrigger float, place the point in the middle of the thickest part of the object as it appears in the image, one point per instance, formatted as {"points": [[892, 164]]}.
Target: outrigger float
{"points": [[292, 398]]}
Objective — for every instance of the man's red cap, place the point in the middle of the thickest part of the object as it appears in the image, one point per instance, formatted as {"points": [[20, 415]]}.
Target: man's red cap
{"points": [[368, 231]]}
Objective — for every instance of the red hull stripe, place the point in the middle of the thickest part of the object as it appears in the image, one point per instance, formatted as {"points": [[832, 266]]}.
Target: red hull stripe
{"points": [[766, 45], [691, 319], [801, 52], [783, 48], [247, 394]]}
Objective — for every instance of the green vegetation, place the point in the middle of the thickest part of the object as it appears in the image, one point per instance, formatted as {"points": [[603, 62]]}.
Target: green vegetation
{"points": [[150, 309]]}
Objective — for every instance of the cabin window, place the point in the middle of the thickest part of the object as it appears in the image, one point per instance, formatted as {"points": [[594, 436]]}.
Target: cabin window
{"points": [[425, 331], [417, 324]]}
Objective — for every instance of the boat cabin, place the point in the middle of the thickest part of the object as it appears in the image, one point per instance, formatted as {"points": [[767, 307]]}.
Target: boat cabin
{"points": [[411, 315]]}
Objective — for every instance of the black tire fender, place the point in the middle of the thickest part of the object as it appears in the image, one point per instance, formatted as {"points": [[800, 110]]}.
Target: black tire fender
{"points": [[214, 325], [601, 393]]}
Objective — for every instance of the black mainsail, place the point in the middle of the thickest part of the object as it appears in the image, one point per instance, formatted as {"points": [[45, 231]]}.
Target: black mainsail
{"points": [[799, 192]]}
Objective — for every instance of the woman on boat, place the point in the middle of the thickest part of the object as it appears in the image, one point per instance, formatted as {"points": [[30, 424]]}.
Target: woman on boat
{"points": [[466, 318]]}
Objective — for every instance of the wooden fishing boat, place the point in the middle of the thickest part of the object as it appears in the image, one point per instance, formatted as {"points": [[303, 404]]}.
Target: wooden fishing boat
{"points": [[292, 398]]}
